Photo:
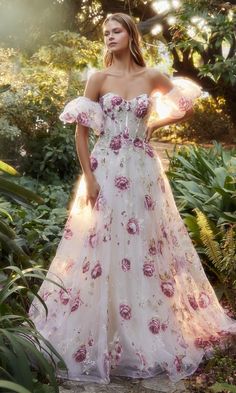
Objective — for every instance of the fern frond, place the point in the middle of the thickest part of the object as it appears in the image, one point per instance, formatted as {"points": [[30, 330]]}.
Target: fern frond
{"points": [[229, 250], [212, 247]]}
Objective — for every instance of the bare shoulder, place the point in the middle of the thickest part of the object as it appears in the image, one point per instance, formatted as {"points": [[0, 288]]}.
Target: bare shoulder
{"points": [[93, 85], [159, 81]]}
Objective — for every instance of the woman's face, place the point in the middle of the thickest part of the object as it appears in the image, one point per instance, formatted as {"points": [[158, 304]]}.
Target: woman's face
{"points": [[116, 37]]}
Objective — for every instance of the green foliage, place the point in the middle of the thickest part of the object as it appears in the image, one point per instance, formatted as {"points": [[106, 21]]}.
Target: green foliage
{"points": [[209, 121], [205, 178], [202, 29], [203, 182], [22, 360], [69, 50], [31, 133], [216, 374]]}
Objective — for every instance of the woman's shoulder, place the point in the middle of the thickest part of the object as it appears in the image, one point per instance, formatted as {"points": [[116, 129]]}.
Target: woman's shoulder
{"points": [[154, 73], [97, 76]]}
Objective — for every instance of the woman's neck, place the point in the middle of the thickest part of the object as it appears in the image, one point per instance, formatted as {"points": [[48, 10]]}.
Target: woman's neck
{"points": [[124, 65]]}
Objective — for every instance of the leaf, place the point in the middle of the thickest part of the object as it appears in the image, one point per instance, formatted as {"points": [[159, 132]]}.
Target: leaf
{"points": [[13, 189], [14, 387], [8, 169], [219, 387]]}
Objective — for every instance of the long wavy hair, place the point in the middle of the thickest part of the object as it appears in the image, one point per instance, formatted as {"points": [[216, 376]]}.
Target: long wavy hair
{"points": [[134, 39]]}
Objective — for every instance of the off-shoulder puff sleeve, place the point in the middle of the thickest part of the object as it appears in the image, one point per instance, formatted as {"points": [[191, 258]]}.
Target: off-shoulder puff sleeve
{"points": [[178, 100], [84, 111]]}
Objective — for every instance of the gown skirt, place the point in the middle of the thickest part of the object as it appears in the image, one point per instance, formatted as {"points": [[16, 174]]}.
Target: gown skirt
{"points": [[135, 300]]}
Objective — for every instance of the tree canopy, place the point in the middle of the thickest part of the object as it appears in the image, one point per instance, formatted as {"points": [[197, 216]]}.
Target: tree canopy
{"points": [[199, 34]]}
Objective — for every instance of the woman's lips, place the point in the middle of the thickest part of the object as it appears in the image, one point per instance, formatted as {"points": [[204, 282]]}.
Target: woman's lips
{"points": [[112, 43]]}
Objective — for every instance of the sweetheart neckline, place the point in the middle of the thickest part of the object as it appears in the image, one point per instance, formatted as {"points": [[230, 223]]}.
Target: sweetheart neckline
{"points": [[123, 99]]}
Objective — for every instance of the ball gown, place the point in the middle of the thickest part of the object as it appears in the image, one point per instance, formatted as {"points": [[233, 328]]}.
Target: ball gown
{"points": [[135, 300]]}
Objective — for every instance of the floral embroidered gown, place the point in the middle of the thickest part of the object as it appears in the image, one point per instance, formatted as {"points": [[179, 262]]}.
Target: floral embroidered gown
{"points": [[137, 300]]}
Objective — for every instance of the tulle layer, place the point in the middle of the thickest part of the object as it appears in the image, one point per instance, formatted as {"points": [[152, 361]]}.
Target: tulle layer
{"points": [[138, 301]]}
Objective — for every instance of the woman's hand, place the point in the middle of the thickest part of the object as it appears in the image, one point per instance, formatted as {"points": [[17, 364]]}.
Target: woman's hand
{"points": [[149, 131], [92, 190]]}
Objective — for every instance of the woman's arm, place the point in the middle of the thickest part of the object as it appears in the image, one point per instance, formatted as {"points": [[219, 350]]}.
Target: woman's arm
{"points": [[164, 85], [82, 145], [165, 122]]}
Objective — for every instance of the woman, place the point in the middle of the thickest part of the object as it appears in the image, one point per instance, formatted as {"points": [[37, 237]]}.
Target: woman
{"points": [[137, 301]]}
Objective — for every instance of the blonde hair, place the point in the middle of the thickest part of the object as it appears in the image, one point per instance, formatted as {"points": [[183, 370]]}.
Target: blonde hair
{"points": [[134, 39]]}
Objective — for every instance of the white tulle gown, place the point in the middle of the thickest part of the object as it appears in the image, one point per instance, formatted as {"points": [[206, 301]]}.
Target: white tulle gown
{"points": [[137, 300]]}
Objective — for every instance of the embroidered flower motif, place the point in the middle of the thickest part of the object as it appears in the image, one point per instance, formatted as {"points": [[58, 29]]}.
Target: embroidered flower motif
{"points": [[154, 326], [152, 247], [76, 303], [164, 326], [163, 231], [132, 226], [126, 133], [115, 144], [125, 311], [69, 265], [203, 300], [149, 150], [162, 183], [68, 233], [200, 342], [93, 163], [46, 295], [125, 264], [80, 355], [141, 110], [177, 363], [185, 104], [83, 119], [179, 263], [116, 100], [148, 202], [137, 142], [167, 288], [93, 238], [65, 296], [96, 271], [148, 269], [122, 182], [174, 239], [85, 265], [159, 246], [193, 302]]}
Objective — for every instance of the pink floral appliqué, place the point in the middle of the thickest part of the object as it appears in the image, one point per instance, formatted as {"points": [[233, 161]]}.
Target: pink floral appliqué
{"points": [[80, 354], [203, 300], [76, 302], [154, 326], [83, 119], [85, 265], [193, 302], [132, 226], [185, 104], [93, 163], [125, 311], [65, 296], [115, 144], [122, 182], [141, 110], [96, 271], [148, 269], [148, 202], [125, 264], [167, 288]]}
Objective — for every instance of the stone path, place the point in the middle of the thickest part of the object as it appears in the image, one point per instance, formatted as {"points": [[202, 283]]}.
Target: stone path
{"points": [[159, 384]]}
